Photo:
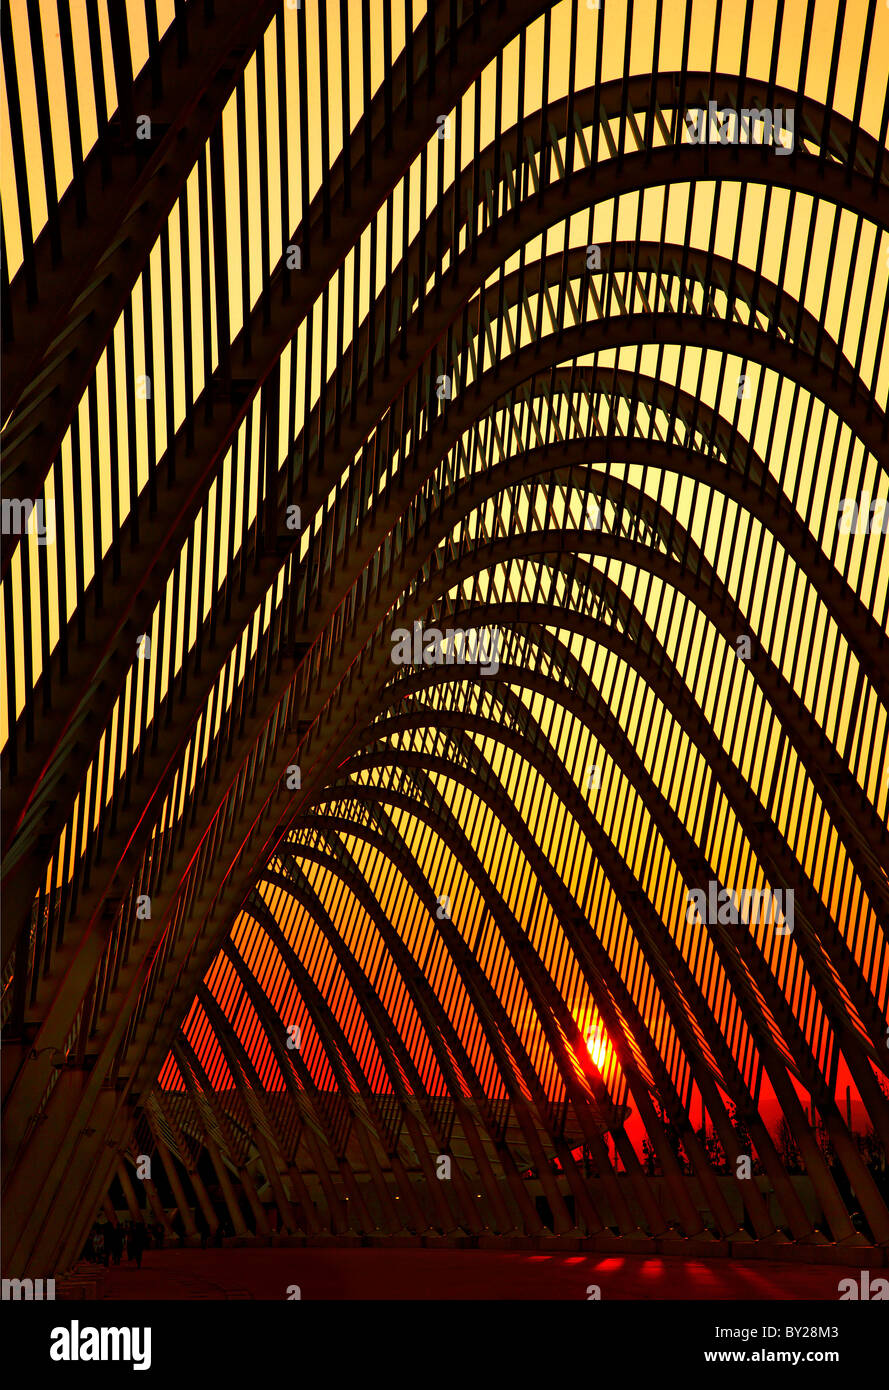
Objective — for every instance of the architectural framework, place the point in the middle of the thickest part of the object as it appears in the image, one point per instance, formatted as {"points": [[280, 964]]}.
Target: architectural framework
{"points": [[444, 596]]}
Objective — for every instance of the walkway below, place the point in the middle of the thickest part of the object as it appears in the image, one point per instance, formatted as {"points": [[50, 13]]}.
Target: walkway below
{"points": [[265, 1273]]}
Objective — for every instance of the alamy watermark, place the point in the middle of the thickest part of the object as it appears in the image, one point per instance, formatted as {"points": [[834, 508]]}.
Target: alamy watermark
{"points": [[21, 516], [28, 1289], [752, 906], [452, 647], [712, 124], [862, 515], [76, 1343], [864, 1289]]}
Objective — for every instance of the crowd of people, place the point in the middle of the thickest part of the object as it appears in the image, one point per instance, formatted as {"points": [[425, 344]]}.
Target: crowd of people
{"points": [[108, 1242]]}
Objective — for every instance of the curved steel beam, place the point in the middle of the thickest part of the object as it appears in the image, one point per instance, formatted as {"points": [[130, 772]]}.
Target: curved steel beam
{"points": [[690, 331], [184, 87], [393, 1052], [644, 655], [835, 784], [97, 667], [745, 966], [524, 1208], [443, 1038], [682, 848], [37, 428]]}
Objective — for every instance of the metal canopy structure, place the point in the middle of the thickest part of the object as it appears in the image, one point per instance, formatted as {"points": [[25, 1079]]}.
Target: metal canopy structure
{"points": [[559, 327]]}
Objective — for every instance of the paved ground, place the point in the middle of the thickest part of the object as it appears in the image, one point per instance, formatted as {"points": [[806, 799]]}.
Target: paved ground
{"points": [[263, 1273]]}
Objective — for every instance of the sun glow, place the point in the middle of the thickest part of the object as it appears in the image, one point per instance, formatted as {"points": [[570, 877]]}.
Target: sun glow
{"points": [[598, 1046]]}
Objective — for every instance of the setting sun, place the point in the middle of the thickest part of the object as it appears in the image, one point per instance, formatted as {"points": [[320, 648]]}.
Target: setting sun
{"points": [[444, 601], [598, 1046]]}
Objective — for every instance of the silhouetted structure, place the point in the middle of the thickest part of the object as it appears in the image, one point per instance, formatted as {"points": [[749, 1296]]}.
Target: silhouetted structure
{"points": [[425, 945]]}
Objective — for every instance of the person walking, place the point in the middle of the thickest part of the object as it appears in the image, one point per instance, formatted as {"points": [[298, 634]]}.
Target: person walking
{"points": [[136, 1243], [100, 1255], [115, 1243], [200, 1221]]}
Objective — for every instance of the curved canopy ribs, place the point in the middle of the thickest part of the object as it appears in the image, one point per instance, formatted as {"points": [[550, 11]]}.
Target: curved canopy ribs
{"points": [[355, 947]]}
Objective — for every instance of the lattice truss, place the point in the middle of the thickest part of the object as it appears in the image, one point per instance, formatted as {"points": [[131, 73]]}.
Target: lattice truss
{"points": [[439, 315]]}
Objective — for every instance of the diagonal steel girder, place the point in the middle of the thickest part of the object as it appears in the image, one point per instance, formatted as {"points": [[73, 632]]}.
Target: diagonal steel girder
{"points": [[96, 664], [563, 540], [108, 640], [743, 962], [126, 186], [688, 329], [35, 432], [81, 700]]}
